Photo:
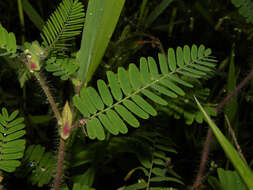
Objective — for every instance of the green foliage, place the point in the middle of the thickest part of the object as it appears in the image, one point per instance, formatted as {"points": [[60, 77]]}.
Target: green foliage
{"points": [[184, 107], [152, 150], [101, 20], [40, 165], [12, 145], [8, 45], [101, 109], [163, 152], [63, 68], [64, 24], [228, 180], [245, 8]]}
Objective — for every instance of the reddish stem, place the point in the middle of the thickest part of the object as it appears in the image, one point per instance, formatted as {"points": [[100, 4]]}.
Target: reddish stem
{"points": [[57, 180]]}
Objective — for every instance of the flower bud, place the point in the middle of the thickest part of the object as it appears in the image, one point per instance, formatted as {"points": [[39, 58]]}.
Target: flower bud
{"points": [[66, 122]]}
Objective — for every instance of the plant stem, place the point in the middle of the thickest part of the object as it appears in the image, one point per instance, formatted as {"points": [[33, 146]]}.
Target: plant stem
{"points": [[55, 109], [150, 173], [49, 96], [57, 180], [209, 133], [203, 159]]}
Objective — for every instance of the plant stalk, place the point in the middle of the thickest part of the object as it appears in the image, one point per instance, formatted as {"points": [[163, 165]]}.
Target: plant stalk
{"points": [[57, 114], [57, 180], [49, 96], [22, 20]]}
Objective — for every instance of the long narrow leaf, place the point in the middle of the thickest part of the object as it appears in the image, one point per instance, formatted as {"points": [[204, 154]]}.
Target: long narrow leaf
{"points": [[101, 20], [157, 11], [32, 14]]}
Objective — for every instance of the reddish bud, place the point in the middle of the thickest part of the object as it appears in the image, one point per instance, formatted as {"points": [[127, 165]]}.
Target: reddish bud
{"points": [[66, 129], [33, 65], [66, 122]]}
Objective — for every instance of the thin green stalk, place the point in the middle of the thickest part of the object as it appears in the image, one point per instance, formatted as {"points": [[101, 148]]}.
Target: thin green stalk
{"points": [[22, 20], [172, 21], [150, 173]]}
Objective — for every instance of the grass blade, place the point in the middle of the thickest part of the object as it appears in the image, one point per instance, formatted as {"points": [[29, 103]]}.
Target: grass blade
{"points": [[101, 20]]}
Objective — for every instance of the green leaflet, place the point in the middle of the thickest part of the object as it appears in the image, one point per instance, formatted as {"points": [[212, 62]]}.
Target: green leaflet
{"points": [[153, 67], [127, 116], [134, 76], [135, 109], [113, 116], [163, 63], [125, 94], [114, 85], [124, 81], [12, 146], [107, 124], [172, 59], [154, 97], [105, 93], [96, 128], [95, 98], [180, 57], [62, 68], [144, 105]]}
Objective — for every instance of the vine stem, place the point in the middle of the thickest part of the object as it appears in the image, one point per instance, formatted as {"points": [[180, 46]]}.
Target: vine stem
{"points": [[58, 175], [209, 132]]}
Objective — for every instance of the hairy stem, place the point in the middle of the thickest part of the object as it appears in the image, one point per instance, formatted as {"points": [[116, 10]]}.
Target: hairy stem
{"points": [[203, 158], [57, 180], [209, 133], [57, 114], [49, 96]]}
